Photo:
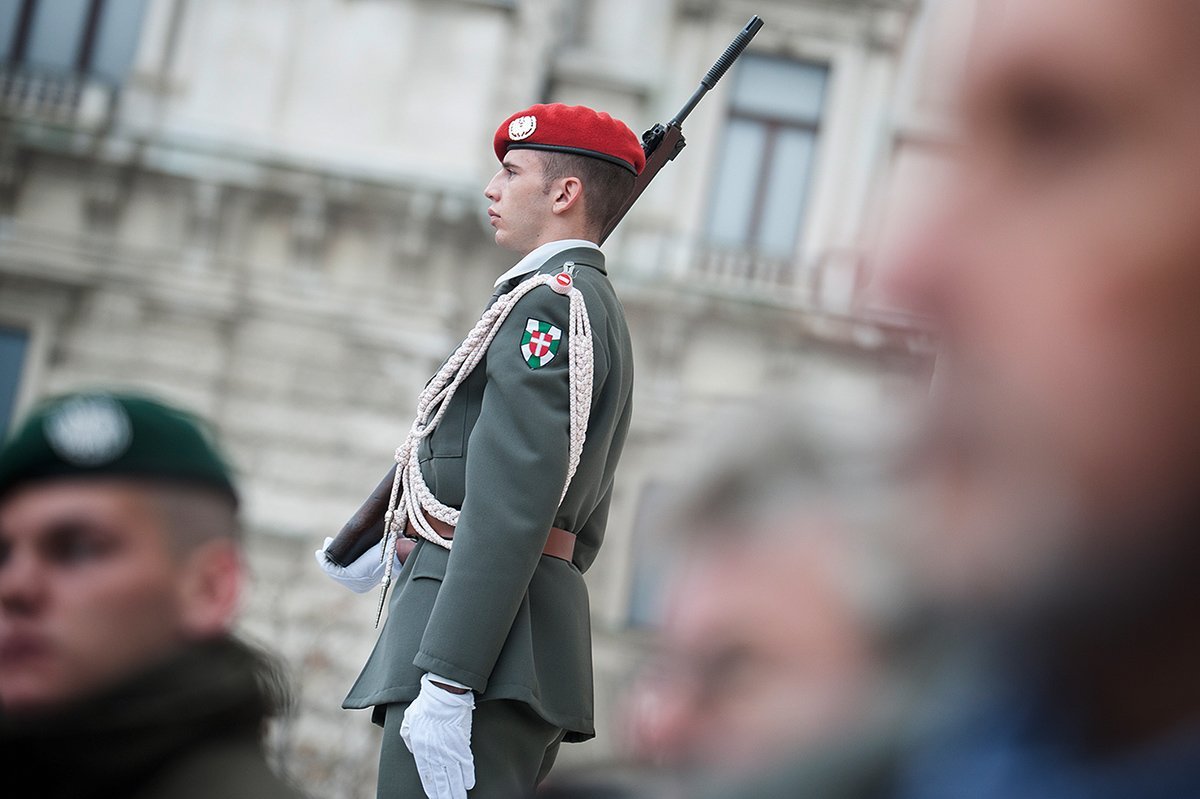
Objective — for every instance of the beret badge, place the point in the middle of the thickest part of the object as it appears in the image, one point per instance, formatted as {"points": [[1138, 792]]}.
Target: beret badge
{"points": [[89, 430], [522, 127]]}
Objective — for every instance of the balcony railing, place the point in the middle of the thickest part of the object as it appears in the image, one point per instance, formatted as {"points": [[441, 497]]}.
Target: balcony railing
{"points": [[831, 292], [55, 97], [832, 282]]}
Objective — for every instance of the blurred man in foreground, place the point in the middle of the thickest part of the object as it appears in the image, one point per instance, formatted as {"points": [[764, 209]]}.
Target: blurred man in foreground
{"points": [[790, 631], [120, 573], [1062, 273], [1063, 276], [787, 613]]}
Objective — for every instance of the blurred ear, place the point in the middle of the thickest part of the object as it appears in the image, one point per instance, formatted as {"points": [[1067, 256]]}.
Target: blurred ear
{"points": [[210, 588], [568, 194]]}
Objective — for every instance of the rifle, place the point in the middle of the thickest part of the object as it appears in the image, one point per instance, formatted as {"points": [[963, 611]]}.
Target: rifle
{"points": [[661, 144]]}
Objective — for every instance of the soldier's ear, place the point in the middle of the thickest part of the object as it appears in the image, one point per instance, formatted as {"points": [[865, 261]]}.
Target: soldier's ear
{"points": [[210, 588], [568, 194]]}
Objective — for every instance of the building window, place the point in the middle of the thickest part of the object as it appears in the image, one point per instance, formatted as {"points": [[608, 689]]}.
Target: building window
{"points": [[13, 345], [765, 161], [84, 37]]}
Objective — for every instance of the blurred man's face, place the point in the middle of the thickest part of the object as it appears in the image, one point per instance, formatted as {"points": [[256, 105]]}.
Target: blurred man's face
{"points": [[764, 654], [1064, 278], [89, 590]]}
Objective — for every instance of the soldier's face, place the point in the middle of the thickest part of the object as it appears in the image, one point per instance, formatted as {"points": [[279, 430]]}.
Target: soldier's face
{"points": [[1063, 275], [90, 591], [521, 206]]}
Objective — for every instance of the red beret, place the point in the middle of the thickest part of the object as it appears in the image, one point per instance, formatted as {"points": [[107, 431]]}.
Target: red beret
{"points": [[571, 129]]}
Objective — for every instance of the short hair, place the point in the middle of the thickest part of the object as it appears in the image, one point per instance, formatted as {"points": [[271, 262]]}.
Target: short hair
{"points": [[605, 185], [193, 514], [748, 479], [754, 484]]}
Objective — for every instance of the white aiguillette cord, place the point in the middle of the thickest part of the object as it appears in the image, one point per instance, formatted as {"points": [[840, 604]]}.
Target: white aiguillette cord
{"points": [[411, 498]]}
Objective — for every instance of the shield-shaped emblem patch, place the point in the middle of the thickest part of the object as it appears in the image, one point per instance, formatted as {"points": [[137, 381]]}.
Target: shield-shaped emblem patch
{"points": [[539, 343]]}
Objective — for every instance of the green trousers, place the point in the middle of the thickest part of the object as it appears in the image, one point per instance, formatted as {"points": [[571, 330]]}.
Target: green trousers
{"points": [[514, 749]]}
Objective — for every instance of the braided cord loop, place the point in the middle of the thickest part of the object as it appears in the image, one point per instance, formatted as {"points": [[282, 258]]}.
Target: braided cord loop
{"points": [[411, 498]]}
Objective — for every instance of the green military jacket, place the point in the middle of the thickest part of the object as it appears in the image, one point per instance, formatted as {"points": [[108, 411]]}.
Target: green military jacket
{"points": [[494, 613]]}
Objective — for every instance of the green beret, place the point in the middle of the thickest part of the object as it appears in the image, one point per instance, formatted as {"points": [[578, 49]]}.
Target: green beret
{"points": [[101, 434]]}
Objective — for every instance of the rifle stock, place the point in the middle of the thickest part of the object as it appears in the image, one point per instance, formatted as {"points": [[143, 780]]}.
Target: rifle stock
{"points": [[365, 528], [661, 144]]}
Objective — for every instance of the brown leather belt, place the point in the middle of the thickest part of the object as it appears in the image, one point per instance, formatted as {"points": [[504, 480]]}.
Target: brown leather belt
{"points": [[560, 544]]}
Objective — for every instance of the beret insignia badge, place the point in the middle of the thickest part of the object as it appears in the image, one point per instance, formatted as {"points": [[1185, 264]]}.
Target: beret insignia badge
{"points": [[522, 127], [89, 430]]}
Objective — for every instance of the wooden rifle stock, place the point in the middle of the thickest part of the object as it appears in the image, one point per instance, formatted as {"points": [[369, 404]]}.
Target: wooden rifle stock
{"points": [[661, 144], [365, 528]]}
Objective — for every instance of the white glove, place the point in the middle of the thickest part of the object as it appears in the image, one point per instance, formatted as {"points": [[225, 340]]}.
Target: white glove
{"points": [[437, 730], [360, 576]]}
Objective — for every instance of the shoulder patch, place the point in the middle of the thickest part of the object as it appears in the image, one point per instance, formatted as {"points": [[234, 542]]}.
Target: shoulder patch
{"points": [[539, 343]]}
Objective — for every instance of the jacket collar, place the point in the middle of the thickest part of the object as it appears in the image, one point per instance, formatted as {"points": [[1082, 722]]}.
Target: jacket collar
{"points": [[580, 256], [555, 253]]}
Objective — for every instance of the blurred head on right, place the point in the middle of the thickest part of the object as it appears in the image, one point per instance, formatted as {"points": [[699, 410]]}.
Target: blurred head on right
{"points": [[1062, 274], [788, 623]]}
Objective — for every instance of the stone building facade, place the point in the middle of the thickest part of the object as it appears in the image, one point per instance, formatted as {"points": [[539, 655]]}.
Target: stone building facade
{"points": [[271, 212]]}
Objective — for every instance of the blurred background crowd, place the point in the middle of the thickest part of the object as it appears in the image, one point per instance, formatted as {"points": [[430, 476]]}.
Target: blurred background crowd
{"points": [[270, 212]]}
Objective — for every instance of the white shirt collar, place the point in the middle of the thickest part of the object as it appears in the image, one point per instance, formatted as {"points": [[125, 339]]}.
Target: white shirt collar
{"points": [[534, 260]]}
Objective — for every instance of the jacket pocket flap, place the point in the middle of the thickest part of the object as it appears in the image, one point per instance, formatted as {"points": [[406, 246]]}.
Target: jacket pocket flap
{"points": [[429, 561]]}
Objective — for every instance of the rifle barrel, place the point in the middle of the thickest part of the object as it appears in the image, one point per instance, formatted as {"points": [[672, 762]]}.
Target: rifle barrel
{"points": [[719, 68]]}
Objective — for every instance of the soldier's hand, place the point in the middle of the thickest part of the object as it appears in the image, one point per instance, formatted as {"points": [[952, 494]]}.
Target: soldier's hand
{"points": [[437, 730], [360, 576]]}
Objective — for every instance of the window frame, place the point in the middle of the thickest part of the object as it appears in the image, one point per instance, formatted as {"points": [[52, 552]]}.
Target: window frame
{"points": [[772, 126], [86, 58], [20, 392]]}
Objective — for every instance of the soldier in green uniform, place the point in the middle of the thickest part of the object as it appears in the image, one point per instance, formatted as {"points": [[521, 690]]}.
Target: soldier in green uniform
{"points": [[120, 572], [483, 667]]}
